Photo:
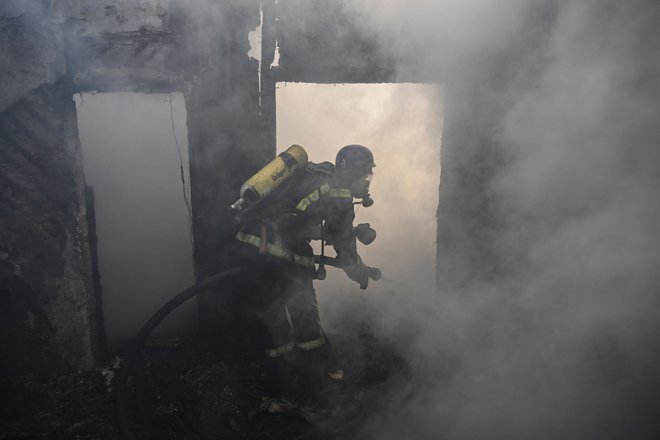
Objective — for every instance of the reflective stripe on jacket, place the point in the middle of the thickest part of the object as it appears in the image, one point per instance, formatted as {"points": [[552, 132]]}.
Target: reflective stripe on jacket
{"points": [[323, 190], [276, 249]]}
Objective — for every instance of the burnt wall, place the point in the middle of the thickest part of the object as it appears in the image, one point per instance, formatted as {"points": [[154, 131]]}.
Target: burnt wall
{"points": [[43, 230], [468, 212], [50, 282], [125, 45], [227, 144], [473, 215], [320, 43], [31, 48]]}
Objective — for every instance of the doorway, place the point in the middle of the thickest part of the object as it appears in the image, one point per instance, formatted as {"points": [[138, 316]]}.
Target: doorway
{"points": [[135, 155], [398, 122]]}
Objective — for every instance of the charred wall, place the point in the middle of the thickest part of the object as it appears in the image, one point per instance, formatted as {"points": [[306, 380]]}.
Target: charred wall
{"points": [[472, 216], [227, 142], [44, 233], [51, 50], [320, 43], [51, 304]]}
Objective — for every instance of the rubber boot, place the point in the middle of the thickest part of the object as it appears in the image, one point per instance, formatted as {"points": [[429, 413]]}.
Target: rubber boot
{"points": [[316, 375]]}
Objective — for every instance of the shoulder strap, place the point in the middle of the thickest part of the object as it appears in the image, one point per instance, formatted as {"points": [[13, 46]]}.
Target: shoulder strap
{"points": [[323, 168]]}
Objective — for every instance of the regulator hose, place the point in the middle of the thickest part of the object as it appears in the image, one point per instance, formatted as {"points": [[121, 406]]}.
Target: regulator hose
{"points": [[125, 427]]}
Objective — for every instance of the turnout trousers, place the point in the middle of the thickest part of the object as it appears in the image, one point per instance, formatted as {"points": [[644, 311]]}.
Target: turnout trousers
{"points": [[286, 310]]}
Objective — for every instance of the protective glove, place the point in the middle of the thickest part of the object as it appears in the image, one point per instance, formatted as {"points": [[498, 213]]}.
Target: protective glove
{"points": [[359, 273]]}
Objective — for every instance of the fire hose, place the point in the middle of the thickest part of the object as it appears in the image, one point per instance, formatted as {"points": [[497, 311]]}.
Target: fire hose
{"points": [[132, 357]]}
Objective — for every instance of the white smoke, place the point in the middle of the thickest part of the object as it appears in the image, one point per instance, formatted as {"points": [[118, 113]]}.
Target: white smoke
{"points": [[563, 344]]}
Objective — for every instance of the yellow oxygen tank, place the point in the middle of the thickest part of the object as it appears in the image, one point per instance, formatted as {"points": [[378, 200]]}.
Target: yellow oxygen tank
{"points": [[271, 176]]}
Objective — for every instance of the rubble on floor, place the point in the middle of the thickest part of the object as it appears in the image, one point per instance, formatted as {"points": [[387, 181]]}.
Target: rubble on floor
{"points": [[184, 392]]}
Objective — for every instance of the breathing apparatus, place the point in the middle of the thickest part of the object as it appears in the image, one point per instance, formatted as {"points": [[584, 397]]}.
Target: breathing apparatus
{"points": [[365, 201], [270, 177]]}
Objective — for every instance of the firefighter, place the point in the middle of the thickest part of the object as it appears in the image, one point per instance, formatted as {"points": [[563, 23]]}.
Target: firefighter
{"points": [[315, 203]]}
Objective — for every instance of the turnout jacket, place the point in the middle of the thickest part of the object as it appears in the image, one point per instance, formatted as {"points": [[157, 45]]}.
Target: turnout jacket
{"points": [[310, 205]]}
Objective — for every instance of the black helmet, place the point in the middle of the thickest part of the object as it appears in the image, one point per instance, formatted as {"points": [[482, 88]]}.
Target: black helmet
{"points": [[354, 160]]}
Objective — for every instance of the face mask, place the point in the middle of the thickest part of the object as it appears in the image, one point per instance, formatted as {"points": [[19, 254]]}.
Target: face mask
{"points": [[360, 187]]}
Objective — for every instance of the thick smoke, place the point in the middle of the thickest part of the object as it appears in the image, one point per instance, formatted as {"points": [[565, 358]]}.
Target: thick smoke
{"points": [[562, 343]]}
